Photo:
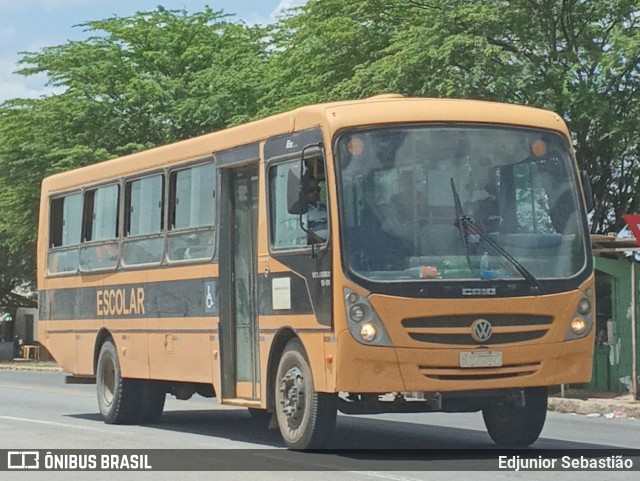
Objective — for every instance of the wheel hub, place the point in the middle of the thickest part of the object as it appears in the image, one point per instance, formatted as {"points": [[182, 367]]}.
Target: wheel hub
{"points": [[109, 383], [293, 396]]}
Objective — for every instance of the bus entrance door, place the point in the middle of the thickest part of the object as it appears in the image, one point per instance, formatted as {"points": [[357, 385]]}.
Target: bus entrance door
{"points": [[238, 319]]}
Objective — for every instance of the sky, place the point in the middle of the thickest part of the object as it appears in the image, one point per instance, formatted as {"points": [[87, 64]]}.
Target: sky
{"points": [[30, 25]]}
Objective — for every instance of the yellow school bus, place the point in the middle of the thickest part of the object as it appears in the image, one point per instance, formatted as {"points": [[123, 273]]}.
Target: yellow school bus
{"points": [[381, 255]]}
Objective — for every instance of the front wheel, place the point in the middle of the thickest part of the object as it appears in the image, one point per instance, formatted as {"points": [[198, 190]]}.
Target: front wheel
{"points": [[305, 417], [514, 426]]}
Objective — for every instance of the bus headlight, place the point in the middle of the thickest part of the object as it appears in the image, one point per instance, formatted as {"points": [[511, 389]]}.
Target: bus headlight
{"points": [[584, 306], [578, 326], [368, 332], [364, 323], [582, 321], [357, 313], [352, 297]]}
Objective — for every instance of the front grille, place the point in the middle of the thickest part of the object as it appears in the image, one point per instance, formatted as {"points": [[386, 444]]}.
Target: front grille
{"points": [[456, 330], [478, 374]]}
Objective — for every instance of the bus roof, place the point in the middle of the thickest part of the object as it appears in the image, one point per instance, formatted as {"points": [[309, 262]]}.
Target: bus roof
{"points": [[378, 110]]}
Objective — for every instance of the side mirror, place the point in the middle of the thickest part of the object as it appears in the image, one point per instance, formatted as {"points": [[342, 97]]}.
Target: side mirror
{"points": [[588, 192], [297, 190]]}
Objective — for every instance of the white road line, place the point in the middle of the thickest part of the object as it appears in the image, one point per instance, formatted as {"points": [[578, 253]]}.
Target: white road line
{"points": [[53, 423]]}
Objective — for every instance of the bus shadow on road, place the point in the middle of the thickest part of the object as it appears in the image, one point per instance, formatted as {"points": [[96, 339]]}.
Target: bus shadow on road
{"points": [[351, 432]]}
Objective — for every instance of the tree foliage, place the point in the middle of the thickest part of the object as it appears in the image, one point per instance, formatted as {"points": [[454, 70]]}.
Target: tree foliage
{"points": [[136, 82], [161, 76], [579, 58], [319, 47]]}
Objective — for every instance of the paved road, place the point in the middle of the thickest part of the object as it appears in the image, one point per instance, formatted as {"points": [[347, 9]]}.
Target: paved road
{"points": [[38, 411]]}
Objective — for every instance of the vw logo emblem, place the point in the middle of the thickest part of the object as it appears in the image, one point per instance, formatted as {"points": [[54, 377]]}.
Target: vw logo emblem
{"points": [[481, 330]]}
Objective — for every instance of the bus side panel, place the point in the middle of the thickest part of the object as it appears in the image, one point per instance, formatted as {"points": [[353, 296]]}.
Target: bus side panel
{"points": [[131, 346], [571, 367], [179, 353], [265, 343], [361, 368], [330, 356], [85, 349], [313, 337], [59, 338], [216, 374], [314, 346]]}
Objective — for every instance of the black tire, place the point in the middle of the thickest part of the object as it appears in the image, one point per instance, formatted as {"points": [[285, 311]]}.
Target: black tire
{"points": [[306, 418], [151, 404], [117, 397], [517, 427]]}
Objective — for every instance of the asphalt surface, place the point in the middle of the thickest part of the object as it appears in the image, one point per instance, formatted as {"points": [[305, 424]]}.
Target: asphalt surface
{"points": [[38, 411], [575, 401]]}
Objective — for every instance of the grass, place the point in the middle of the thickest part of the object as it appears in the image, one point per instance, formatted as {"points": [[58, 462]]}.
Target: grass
{"points": [[28, 364]]}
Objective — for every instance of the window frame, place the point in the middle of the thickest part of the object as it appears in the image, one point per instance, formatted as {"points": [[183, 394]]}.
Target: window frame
{"points": [[87, 245], [170, 196], [64, 248], [126, 220], [275, 162], [120, 239]]}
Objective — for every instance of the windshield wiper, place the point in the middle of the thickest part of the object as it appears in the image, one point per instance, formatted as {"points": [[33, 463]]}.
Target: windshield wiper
{"points": [[467, 226], [460, 224]]}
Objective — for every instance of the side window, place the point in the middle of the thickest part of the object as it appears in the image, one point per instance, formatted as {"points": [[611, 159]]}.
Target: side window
{"points": [[65, 223], [100, 228], [192, 213], [143, 221], [285, 229], [286, 232]]}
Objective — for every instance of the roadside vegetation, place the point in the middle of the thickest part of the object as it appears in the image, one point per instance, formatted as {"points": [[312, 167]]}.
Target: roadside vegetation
{"points": [[161, 76]]}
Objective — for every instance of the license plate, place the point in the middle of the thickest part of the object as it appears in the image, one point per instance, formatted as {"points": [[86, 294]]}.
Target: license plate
{"points": [[481, 359]]}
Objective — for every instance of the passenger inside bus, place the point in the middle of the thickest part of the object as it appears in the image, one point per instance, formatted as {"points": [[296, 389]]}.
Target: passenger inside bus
{"points": [[316, 214], [398, 223], [397, 233], [484, 208]]}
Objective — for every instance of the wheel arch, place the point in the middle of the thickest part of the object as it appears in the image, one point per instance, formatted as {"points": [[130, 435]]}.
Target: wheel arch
{"points": [[103, 335]]}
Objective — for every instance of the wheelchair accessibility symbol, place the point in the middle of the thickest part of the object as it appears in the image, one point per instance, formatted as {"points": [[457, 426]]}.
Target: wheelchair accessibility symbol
{"points": [[210, 297]]}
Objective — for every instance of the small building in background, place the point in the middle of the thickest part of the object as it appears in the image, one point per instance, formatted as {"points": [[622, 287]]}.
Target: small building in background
{"points": [[18, 320], [26, 324], [616, 350]]}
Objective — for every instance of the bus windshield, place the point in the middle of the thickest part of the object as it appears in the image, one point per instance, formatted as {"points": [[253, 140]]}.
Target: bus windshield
{"points": [[459, 202]]}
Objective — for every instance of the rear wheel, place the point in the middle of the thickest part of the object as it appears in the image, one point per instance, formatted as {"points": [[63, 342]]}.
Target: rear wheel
{"points": [[117, 397], [151, 404], [305, 417], [513, 426]]}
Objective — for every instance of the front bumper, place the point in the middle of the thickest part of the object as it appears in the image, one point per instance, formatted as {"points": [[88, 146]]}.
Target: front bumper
{"points": [[369, 369]]}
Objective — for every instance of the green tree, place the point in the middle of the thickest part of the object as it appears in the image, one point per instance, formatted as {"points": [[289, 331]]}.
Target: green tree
{"points": [[160, 76], [577, 57], [137, 82], [17, 267], [317, 48]]}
